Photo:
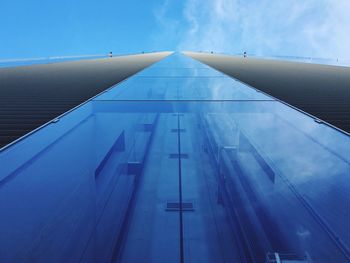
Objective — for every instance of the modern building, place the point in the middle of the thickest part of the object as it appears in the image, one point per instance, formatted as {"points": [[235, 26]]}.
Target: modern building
{"points": [[177, 163]]}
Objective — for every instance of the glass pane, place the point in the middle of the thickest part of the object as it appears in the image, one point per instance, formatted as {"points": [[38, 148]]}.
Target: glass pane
{"points": [[192, 82]]}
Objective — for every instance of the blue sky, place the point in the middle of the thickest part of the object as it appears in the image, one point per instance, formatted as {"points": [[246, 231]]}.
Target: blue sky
{"points": [[265, 27]]}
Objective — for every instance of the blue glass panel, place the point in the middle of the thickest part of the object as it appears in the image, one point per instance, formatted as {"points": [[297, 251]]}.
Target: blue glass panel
{"points": [[235, 177], [188, 83]]}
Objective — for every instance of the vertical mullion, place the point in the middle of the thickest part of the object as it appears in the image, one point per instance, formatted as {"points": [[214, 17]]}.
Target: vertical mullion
{"points": [[180, 190]]}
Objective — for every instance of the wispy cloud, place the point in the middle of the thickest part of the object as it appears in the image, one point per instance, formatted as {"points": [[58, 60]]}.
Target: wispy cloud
{"points": [[317, 28], [212, 25], [169, 26]]}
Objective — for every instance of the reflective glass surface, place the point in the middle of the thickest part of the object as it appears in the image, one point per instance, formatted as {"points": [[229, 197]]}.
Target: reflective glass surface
{"points": [[178, 163]]}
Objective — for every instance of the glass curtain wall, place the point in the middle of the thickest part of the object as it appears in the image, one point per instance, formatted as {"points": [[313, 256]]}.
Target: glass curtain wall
{"points": [[178, 163]]}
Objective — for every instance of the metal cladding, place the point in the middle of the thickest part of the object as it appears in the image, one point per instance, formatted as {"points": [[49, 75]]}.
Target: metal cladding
{"points": [[320, 90], [33, 95]]}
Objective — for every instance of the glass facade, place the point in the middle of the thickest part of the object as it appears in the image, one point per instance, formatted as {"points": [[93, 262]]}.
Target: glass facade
{"points": [[178, 163]]}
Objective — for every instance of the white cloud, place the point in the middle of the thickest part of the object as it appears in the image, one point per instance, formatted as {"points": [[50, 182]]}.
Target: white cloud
{"points": [[316, 28], [211, 25], [168, 27]]}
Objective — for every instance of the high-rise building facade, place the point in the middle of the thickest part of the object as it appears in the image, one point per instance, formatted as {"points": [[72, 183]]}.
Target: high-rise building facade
{"points": [[178, 163]]}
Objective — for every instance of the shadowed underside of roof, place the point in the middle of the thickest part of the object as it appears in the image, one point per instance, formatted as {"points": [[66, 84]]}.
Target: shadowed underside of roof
{"points": [[33, 95], [320, 90]]}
